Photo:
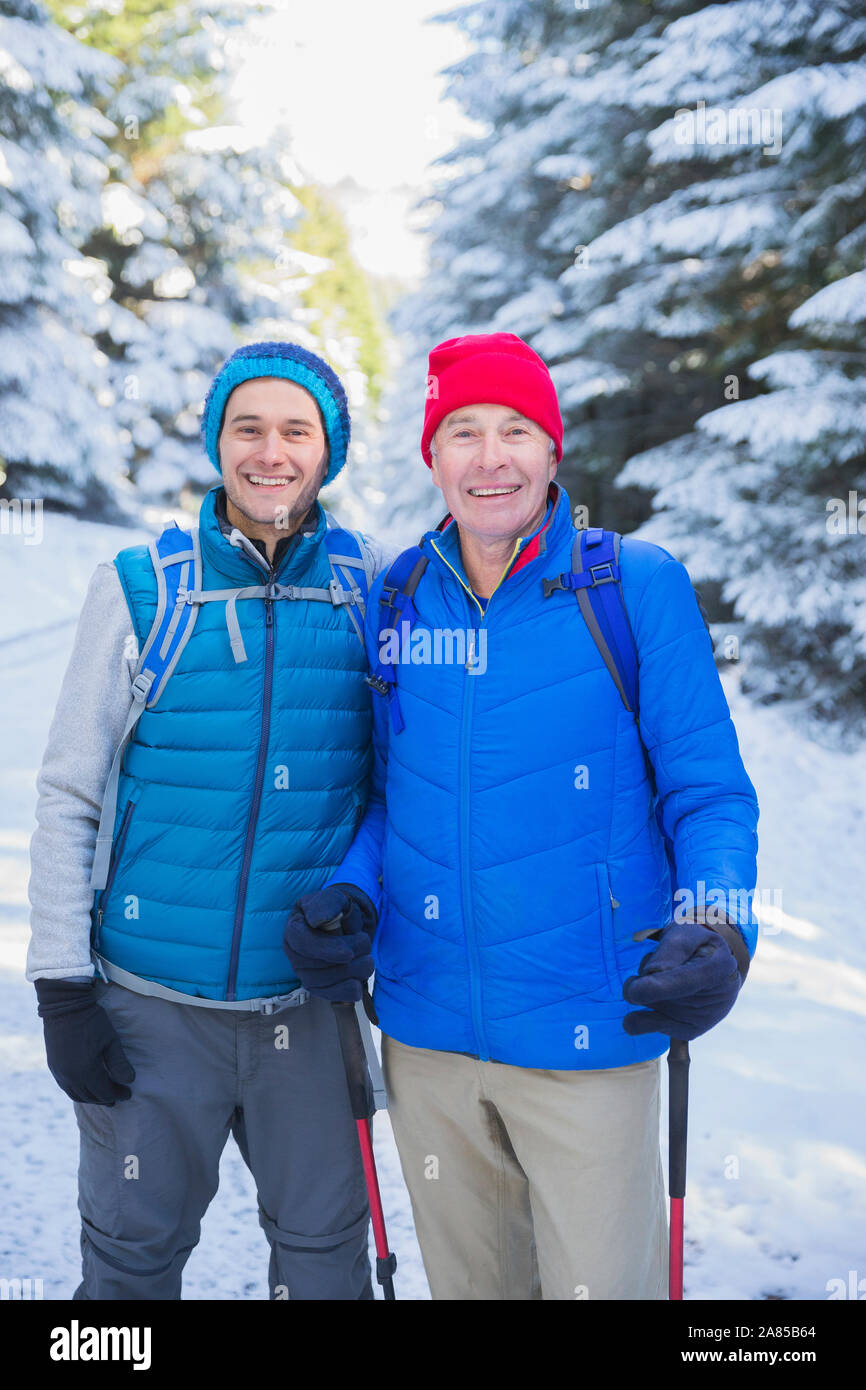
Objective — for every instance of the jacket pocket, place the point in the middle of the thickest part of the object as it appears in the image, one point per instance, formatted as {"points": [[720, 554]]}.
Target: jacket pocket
{"points": [[607, 904], [383, 941]]}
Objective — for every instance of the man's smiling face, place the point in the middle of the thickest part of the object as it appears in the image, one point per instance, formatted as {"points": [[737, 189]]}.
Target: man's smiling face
{"points": [[274, 453], [494, 466]]}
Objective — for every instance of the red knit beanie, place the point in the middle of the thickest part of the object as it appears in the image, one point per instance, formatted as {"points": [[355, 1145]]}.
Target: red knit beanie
{"points": [[495, 368]]}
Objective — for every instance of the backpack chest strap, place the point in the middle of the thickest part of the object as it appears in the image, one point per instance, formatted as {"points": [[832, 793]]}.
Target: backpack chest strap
{"points": [[333, 594]]}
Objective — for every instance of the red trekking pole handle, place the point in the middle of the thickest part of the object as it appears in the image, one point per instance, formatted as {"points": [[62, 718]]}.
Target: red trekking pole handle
{"points": [[678, 1118], [355, 1064]]}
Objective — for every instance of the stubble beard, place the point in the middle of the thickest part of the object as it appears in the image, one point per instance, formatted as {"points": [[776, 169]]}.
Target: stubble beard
{"points": [[287, 523]]}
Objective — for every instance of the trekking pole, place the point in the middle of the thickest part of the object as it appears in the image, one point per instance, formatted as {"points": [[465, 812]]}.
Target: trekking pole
{"points": [[355, 1063], [678, 1119]]}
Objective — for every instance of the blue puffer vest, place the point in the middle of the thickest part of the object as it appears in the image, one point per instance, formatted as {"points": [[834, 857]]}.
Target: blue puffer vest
{"points": [[243, 787], [513, 818]]}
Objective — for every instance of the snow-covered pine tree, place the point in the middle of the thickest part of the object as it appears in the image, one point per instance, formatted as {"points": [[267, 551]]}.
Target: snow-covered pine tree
{"points": [[57, 438], [347, 320], [228, 212], [767, 496], [195, 228], [645, 265], [389, 491], [559, 160]]}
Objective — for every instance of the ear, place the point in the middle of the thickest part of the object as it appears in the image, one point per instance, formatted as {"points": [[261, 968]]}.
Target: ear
{"points": [[434, 465]]}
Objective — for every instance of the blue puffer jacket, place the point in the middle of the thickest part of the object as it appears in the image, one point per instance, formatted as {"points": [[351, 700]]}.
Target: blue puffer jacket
{"points": [[512, 820], [244, 785]]}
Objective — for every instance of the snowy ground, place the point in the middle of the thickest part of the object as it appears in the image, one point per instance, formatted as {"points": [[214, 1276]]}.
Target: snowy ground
{"points": [[776, 1198]]}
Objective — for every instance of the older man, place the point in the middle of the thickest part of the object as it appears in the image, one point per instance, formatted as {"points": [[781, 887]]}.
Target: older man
{"points": [[523, 865]]}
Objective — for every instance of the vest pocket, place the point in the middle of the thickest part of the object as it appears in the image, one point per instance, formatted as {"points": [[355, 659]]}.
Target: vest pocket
{"points": [[607, 934], [113, 863]]}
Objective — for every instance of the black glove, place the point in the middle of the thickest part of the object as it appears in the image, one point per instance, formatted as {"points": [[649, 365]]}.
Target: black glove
{"points": [[333, 965], [688, 983], [84, 1052]]}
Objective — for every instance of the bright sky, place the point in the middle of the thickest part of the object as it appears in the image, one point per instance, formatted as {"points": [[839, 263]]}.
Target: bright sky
{"points": [[356, 83]]}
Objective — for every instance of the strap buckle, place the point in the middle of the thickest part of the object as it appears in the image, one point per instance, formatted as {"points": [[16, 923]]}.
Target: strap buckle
{"points": [[389, 602], [379, 684], [280, 1001], [610, 577], [550, 585], [141, 686], [592, 577]]}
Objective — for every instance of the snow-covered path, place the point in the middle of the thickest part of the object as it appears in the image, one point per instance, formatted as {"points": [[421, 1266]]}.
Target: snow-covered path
{"points": [[776, 1199]]}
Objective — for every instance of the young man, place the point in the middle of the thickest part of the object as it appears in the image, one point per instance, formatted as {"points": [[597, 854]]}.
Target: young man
{"points": [[523, 871], [241, 787]]}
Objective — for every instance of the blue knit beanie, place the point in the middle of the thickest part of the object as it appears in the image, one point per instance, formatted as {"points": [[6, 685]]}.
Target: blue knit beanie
{"points": [[294, 363]]}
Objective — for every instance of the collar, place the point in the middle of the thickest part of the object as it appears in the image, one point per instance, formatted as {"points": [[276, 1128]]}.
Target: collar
{"points": [[307, 526], [444, 539], [233, 553]]}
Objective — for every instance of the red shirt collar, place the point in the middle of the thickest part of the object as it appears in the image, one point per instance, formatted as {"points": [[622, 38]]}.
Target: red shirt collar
{"points": [[533, 549]]}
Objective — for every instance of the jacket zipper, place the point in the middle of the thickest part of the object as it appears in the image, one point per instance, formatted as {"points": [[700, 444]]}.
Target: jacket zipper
{"points": [[465, 894], [264, 734], [466, 900], [465, 744], [116, 851]]}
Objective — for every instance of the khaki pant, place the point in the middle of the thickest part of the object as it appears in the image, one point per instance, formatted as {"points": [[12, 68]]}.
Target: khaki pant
{"points": [[530, 1184]]}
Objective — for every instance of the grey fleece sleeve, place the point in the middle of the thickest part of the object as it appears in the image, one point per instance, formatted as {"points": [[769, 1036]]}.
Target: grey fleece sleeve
{"points": [[88, 722]]}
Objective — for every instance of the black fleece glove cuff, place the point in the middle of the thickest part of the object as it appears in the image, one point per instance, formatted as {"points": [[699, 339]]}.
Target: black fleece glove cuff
{"points": [[717, 921]]}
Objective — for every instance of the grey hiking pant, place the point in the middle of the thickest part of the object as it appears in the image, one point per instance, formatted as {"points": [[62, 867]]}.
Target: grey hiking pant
{"points": [[150, 1165]]}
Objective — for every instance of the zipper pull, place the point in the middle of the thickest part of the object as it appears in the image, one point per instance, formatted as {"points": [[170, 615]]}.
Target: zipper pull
{"points": [[470, 660], [269, 602], [99, 916], [613, 901]]}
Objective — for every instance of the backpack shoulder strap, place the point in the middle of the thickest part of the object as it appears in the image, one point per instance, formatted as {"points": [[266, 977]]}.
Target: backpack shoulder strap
{"points": [[596, 582], [359, 544], [596, 552], [351, 566], [396, 605], [176, 560]]}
